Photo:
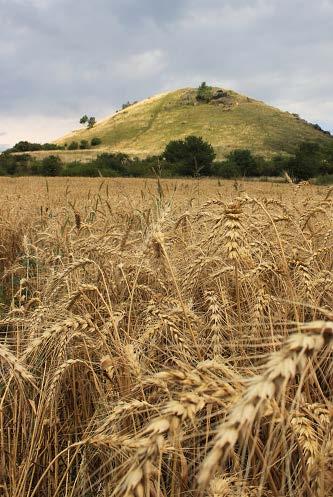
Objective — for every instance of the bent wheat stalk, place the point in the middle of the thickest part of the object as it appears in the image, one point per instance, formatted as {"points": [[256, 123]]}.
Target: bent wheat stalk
{"points": [[282, 366]]}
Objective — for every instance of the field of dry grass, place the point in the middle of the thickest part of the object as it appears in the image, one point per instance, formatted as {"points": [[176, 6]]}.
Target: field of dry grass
{"points": [[69, 155], [165, 339]]}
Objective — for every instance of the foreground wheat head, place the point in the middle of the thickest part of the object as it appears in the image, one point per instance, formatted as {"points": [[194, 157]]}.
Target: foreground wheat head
{"points": [[165, 339]]}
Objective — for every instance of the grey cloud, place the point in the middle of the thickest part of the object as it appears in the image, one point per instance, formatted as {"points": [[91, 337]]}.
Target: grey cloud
{"points": [[163, 11], [61, 58]]}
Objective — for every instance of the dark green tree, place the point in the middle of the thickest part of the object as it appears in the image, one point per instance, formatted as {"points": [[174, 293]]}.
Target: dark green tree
{"points": [[84, 119], [243, 161], [278, 164], [25, 146], [204, 93], [307, 161], [193, 156], [116, 162], [91, 122], [84, 144], [95, 141], [226, 169], [73, 146], [326, 166], [51, 166], [8, 163]]}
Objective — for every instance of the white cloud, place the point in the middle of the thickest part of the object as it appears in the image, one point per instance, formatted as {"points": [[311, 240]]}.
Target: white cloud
{"points": [[141, 65], [312, 110], [35, 128]]}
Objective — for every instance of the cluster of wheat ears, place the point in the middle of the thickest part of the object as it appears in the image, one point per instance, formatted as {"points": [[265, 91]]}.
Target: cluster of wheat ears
{"points": [[161, 338]]}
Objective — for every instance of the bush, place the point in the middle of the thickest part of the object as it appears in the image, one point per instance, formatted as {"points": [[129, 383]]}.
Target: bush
{"points": [[306, 163], [204, 93], [73, 146], [226, 169], [84, 144], [277, 165], [138, 169], [324, 179], [51, 166], [25, 146], [14, 164], [8, 163], [244, 161], [51, 146], [95, 141], [193, 156], [115, 162], [80, 169]]}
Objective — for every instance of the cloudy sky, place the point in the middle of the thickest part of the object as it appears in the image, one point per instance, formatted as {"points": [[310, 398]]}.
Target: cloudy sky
{"points": [[60, 59]]}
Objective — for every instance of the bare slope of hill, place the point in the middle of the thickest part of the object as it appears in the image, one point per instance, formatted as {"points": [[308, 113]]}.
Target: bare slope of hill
{"points": [[228, 121]]}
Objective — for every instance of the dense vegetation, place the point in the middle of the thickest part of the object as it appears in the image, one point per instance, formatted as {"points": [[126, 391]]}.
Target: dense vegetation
{"points": [[189, 157], [25, 146]]}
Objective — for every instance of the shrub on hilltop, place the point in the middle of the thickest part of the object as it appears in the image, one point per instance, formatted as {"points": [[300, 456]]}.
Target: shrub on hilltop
{"points": [[204, 93]]}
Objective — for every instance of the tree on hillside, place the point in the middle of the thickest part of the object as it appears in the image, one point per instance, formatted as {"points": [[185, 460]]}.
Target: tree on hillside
{"points": [[84, 144], [91, 122], [95, 141], [84, 119], [73, 146], [193, 156], [88, 121]]}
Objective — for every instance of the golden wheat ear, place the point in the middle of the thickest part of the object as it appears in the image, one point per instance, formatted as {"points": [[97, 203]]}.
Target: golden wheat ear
{"points": [[282, 366]]}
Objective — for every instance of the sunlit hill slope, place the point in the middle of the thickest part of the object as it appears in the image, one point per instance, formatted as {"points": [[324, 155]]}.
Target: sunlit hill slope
{"points": [[228, 121]]}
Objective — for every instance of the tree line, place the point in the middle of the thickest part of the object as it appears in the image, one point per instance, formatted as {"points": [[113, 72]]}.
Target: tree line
{"points": [[191, 156], [25, 146]]}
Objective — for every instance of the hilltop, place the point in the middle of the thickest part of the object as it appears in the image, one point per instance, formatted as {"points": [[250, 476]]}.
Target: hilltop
{"points": [[228, 121]]}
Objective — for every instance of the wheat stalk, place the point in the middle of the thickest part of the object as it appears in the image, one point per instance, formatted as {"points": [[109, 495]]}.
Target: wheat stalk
{"points": [[280, 369]]}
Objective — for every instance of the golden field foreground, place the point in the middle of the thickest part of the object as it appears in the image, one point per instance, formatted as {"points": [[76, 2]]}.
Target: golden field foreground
{"points": [[165, 338]]}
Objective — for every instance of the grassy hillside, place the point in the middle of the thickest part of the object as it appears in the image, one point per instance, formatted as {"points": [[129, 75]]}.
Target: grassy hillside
{"points": [[234, 121]]}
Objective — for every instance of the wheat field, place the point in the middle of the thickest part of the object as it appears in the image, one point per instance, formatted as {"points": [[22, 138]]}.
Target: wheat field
{"points": [[165, 338]]}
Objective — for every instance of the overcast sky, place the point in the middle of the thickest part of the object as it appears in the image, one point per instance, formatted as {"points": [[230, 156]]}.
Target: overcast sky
{"points": [[60, 59]]}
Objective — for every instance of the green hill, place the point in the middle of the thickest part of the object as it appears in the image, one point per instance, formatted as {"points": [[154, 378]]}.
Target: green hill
{"points": [[228, 121]]}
